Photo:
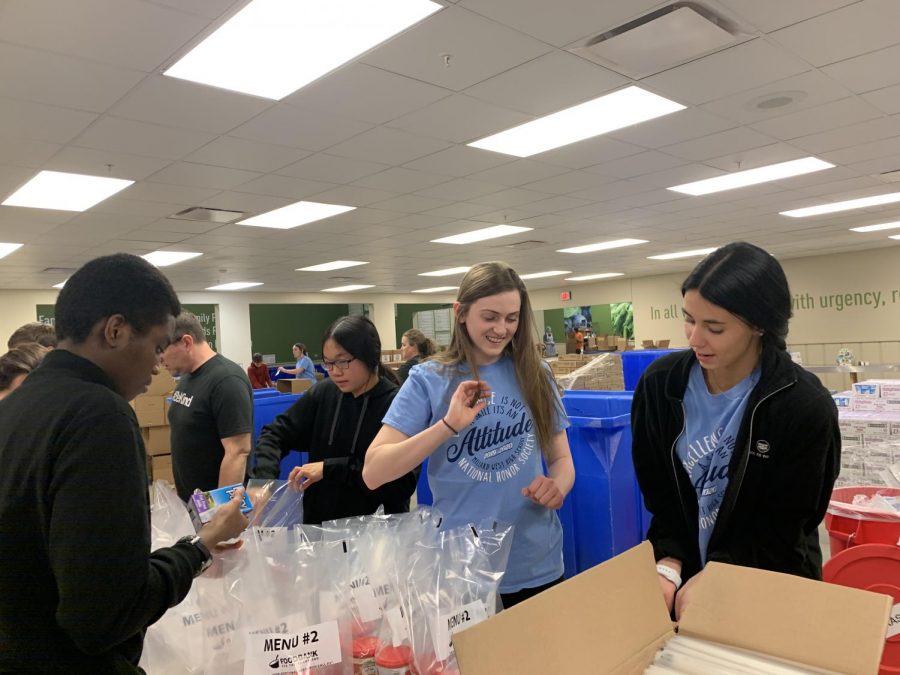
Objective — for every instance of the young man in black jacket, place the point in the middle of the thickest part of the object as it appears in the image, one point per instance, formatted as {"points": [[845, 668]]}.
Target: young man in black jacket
{"points": [[78, 584]]}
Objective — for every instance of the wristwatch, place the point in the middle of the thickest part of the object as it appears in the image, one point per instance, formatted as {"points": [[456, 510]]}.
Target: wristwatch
{"points": [[195, 541], [669, 573]]}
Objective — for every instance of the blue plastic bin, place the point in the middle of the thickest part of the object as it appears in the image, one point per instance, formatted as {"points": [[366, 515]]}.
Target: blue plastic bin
{"points": [[423, 489], [265, 393], [634, 363], [603, 514]]}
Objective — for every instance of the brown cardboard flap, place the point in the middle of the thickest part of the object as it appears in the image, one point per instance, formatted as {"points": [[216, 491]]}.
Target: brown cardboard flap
{"points": [[595, 622], [811, 622]]}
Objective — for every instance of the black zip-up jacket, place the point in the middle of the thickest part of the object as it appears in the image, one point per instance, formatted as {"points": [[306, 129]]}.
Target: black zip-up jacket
{"points": [[786, 459], [78, 584], [337, 429]]}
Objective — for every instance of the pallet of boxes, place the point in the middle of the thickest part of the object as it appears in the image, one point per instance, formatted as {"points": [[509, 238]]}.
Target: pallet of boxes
{"points": [[391, 358], [152, 410], [601, 372], [869, 417]]}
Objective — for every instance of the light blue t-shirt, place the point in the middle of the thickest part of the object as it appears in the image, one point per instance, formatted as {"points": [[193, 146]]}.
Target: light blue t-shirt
{"points": [[306, 368], [481, 473], [712, 423]]}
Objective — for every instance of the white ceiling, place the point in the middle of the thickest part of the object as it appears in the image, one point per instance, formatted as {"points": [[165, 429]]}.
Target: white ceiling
{"points": [[81, 90]]}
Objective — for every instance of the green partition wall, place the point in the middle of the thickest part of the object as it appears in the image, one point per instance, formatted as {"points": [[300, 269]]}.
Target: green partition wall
{"points": [[275, 328]]}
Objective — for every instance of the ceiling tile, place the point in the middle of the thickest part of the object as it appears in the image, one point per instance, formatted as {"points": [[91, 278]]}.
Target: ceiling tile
{"points": [[680, 126], [867, 72], [412, 204], [22, 119], [884, 127], [567, 183], [139, 138], [562, 79], [460, 189], [26, 151], [333, 169], [458, 160], [518, 172], [57, 80], [179, 103], [459, 119], [104, 163], [171, 194], [636, 165], [478, 49], [238, 153], [459, 210], [864, 152], [769, 15], [859, 28], [387, 145], [749, 65], [246, 202], [366, 93], [299, 128], [561, 22], [123, 33], [401, 180], [350, 195], [724, 142], [755, 157], [822, 118], [589, 152], [887, 99], [510, 197], [285, 186], [203, 175]]}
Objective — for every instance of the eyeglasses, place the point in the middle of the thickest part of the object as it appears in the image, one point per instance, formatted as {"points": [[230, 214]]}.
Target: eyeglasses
{"points": [[342, 364]]}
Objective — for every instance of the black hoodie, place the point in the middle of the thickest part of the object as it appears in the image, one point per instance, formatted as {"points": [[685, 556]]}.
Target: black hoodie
{"points": [[786, 459], [336, 428]]}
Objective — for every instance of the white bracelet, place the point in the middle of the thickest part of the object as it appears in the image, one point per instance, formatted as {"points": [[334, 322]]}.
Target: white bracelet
{"points": [[670, 574]]}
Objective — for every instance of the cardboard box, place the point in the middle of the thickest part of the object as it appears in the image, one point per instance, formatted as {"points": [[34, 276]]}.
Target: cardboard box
{"points": [[293, 386], [612, 619], [163, 383], [150, 410], [157, 440], [161, 468]]}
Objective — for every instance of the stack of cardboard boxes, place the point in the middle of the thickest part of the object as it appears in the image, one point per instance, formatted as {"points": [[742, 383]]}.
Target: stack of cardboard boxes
{"points": [[599, 373], [152, 411]]}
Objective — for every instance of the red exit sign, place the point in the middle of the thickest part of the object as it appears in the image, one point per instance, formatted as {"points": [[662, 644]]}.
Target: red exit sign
{"points": [[565, 295]]}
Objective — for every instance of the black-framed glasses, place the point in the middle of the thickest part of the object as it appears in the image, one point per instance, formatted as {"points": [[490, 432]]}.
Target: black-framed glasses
{"points": [[342, 364]]}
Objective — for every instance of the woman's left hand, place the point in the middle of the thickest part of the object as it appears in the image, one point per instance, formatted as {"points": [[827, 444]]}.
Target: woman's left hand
{"points": [[544, 491], [683, 597], [302, 477]]}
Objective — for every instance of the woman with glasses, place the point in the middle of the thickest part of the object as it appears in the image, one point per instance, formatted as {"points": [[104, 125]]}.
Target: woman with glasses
{"points": [[335, 421]]}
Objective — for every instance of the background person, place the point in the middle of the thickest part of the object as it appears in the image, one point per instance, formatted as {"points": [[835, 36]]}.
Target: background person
{"points": [[211, 416], [335, 421], [485, 412], [304, 368], [736, 448], [17, 363], [78, 584], [258, 372], [414, 348], [42, 333]]}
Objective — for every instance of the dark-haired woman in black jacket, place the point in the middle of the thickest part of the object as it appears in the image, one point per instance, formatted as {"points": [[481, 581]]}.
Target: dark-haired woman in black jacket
{"points": [[736, 448]]}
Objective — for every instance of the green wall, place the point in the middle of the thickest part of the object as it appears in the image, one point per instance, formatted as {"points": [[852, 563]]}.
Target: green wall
{"points": [[403, 316], [206, 315], [275, 328], [601, 320]]}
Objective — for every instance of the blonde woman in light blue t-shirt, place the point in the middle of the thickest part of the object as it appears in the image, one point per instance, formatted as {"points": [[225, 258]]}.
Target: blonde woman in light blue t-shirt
{"points": [[485, 413]]}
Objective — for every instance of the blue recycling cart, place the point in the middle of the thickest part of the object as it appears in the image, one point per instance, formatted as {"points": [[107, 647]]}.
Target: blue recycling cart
{"points": [[634, 363]]}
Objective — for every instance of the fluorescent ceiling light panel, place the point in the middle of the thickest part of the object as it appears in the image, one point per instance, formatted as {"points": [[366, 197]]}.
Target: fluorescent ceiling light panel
{"points": [[294, 215], [65, 191], [763, 174], [588, 277], [348, 288], [234, 286], [483, 234], [436, 289], [586, 120], [166, 258], [682, 254], [60, 284], [603, 246], [894, 236], [834, 207], [877, 228], [450, 271], [541, 275], [6, 249], [333, 265], [274, 47]]}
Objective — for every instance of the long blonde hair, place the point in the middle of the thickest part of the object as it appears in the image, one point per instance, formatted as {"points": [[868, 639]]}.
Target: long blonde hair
{"points": [[491, 278]]}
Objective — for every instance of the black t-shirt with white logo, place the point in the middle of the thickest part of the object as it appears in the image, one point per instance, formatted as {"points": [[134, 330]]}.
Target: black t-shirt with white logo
{"points": [[211, 403]]}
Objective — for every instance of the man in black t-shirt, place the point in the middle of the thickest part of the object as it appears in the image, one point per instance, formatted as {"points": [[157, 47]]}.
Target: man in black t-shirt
{"points": [[211, 415]]}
